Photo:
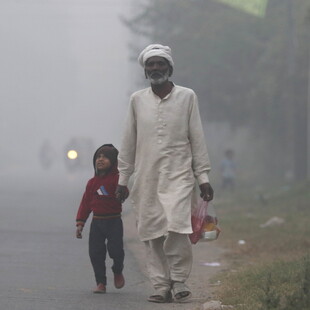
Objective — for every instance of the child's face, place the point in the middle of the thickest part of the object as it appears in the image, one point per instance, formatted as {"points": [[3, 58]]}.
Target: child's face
{"points": [[103, 163]]}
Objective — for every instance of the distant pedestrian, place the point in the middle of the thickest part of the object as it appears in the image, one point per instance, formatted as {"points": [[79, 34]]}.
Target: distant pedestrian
{"points": [[106, 230], [228, 170], [164, 148]]}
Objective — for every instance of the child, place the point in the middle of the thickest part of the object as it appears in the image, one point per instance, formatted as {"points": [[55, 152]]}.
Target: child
{"points": [[228, 170], [99, 198]]}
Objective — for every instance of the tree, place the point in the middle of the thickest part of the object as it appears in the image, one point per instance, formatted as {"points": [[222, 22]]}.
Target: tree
{"points": [[248, 71]]}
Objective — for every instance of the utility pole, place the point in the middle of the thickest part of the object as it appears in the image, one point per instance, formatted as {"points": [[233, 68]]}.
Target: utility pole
{"points": [[308, 112], [308, 122], [297, 104], [308, 97], [289, 88]]}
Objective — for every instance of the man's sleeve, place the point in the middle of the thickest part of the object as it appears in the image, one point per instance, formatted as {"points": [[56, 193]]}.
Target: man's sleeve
{"points": [[201, 163], [126, 157]]}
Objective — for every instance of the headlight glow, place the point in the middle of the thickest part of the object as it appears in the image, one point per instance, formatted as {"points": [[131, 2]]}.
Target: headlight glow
{"points": [[72, 154]]}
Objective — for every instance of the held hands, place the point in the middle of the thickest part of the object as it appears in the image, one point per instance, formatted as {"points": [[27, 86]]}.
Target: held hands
{"points": [[122, 193], [206, 191], [79, 230]]}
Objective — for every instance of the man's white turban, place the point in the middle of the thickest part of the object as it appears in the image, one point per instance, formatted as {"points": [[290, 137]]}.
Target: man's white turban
{"points": [[155, 50]]}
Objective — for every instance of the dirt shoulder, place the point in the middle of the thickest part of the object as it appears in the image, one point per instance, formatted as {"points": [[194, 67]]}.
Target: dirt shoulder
{"points": [[208, 261]]}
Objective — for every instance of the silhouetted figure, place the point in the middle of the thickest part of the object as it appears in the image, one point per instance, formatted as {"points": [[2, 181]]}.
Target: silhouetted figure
{"points": [[228, 170]]}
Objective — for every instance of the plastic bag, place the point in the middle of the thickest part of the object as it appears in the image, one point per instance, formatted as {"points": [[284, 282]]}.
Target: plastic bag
{"points": [[204, 223], [210, 228]]}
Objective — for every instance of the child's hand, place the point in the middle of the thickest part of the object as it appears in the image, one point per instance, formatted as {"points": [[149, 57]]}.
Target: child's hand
{"points": [[79, 230]]}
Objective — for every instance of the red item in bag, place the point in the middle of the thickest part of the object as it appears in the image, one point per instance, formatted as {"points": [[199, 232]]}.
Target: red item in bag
{"points": [[198, 218], [204, 223]]}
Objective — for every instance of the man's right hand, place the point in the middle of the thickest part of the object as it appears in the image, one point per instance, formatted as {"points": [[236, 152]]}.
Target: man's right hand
{"points": [[122, 193], [79, 230], [206, 191]]}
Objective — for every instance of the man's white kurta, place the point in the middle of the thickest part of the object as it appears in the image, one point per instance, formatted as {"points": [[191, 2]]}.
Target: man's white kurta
{"points": [[164, 148]]}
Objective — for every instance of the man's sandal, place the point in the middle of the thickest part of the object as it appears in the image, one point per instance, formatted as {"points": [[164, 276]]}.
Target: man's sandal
{"points": [[181, 292], [161, 297]]}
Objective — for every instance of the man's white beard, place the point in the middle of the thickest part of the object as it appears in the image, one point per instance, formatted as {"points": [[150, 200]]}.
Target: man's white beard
{"points": [[159, 80]]}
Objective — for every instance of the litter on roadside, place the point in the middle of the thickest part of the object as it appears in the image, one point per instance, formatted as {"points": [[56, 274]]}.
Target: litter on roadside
{"points": [[273, 222], [212, 264]]}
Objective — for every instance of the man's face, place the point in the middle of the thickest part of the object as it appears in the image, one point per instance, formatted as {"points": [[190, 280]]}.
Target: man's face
{"points": [[157, 70]]}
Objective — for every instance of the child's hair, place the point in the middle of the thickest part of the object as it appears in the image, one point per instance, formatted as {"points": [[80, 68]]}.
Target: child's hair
{"points": [[109, 151]]}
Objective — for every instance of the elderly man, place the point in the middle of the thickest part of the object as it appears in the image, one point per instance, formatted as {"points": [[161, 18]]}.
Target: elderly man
{"points": [[164, 147]]}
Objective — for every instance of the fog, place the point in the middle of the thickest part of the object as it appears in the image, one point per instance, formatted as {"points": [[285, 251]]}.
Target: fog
{"points": [[64, 74]]}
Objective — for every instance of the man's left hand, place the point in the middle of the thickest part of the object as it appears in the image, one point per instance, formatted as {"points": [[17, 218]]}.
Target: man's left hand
{"points": [[121, 193], [206, 191]]}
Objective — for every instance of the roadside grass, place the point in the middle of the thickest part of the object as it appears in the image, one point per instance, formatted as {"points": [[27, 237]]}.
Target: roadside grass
{"points": [[271, 268]]}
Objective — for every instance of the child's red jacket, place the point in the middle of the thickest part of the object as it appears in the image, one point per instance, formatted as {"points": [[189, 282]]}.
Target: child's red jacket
{"points": [[99, 197]]}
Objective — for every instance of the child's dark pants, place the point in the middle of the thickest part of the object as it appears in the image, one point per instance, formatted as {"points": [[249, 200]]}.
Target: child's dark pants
{"points": [[100, 231]]}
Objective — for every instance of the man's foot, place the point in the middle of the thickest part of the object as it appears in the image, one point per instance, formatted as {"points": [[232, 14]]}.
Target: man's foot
{"points": [[119, 280], [161, 297], [101, 289], [181, 292]]}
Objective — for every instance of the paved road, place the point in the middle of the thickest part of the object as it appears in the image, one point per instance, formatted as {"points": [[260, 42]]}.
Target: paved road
{"points": [[43, 266]]}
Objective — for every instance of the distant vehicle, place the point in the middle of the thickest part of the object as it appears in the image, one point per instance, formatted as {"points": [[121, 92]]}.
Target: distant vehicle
{"points": [[79, 153]]}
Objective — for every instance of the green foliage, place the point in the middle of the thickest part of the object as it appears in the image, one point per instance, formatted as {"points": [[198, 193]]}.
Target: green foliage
{"points": [[271, 298], [243, 216], [272, 269], [256, 7], [276, 286]]}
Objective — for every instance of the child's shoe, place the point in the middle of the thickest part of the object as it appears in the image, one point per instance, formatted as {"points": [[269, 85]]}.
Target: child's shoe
{"points": [[101, 289], [119, 280]]}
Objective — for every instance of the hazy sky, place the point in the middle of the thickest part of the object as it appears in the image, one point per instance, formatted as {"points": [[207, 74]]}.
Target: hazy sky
{"points": [[64, 73]]}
